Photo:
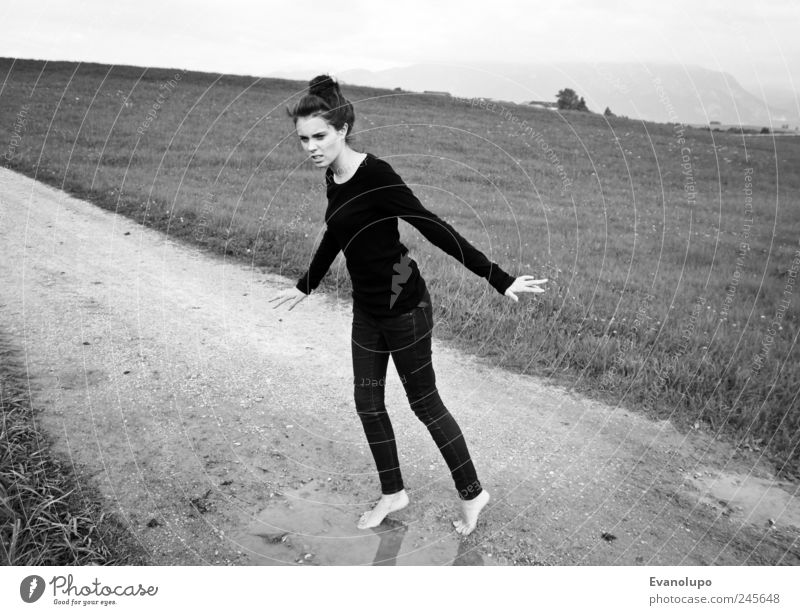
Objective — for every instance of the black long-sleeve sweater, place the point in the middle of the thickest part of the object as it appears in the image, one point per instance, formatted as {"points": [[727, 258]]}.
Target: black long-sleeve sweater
{"points": [[361, 220]]}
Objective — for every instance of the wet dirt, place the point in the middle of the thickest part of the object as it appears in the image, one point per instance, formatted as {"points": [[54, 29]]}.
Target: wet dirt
{"points": [[313, 526], [221, 431], [750, 499]]}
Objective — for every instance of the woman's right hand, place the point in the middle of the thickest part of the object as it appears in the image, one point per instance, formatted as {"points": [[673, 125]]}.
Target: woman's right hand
{"points": [[293, 295]]}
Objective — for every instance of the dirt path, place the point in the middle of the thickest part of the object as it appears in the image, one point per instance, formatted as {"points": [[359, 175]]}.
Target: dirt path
{"points": [[221, 430]]}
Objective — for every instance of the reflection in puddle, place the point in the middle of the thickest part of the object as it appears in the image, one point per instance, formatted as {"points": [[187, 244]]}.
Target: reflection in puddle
{"points": [[751, 499], [391, 534], [318, 528]]}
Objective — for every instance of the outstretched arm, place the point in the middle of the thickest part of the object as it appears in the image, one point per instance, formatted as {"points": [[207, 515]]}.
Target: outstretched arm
{"points": [[320, 263], [397, 199], [323, 259]]}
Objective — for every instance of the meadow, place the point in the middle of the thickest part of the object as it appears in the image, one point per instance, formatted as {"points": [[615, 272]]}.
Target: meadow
{"points": [[48, 517], [672, 251]]}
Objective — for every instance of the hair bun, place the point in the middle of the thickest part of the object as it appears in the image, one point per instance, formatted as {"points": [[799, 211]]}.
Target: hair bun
{"points": [[325, 99], [324, 86]]}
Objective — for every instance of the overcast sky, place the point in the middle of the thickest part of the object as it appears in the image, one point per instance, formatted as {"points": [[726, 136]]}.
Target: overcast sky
{"points": [[754, 41]]}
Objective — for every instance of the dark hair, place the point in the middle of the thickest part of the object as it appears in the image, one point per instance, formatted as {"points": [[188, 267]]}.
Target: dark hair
{"points": [[325, 99]]}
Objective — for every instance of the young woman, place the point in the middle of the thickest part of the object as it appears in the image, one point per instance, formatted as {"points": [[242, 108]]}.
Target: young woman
{"points": [[392, 312]]}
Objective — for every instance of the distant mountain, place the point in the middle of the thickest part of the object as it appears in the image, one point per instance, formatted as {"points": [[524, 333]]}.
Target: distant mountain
{"points": [[656, 92], [777, 97]]}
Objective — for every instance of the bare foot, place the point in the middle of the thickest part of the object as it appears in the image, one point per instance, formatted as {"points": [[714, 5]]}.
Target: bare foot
{"points": [[470, 509], [387, 503]]}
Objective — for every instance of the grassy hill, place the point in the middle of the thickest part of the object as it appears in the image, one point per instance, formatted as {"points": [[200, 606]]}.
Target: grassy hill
{"points": [[672, 251]]}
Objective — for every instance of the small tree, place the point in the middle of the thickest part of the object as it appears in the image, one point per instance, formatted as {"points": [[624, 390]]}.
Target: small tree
{"points": [[566, 99], [569, 100], [608, 112]]}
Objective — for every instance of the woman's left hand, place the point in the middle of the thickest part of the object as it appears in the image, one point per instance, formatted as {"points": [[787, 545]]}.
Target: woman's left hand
{"points": [[524, 284]]}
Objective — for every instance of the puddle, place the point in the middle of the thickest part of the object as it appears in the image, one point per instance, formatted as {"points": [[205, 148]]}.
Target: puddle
{"points": [[315, 527], [751, 499]]}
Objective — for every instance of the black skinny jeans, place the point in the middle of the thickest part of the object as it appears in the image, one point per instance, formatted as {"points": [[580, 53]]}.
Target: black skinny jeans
{"points": [[407, 338]]}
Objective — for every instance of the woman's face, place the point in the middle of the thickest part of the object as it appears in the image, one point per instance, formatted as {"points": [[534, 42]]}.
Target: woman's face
{"points": [[320, 139]]}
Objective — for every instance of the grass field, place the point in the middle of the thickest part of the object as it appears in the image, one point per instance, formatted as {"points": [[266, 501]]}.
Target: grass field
{"points": [[672, 251], [47, 517]]}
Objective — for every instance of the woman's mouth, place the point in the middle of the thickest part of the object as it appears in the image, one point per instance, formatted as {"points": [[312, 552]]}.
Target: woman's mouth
{"points": [[316, 158]]}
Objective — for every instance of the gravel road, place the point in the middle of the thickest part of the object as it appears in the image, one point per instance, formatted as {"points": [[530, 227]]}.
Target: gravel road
{"points": [[223, 431]]}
